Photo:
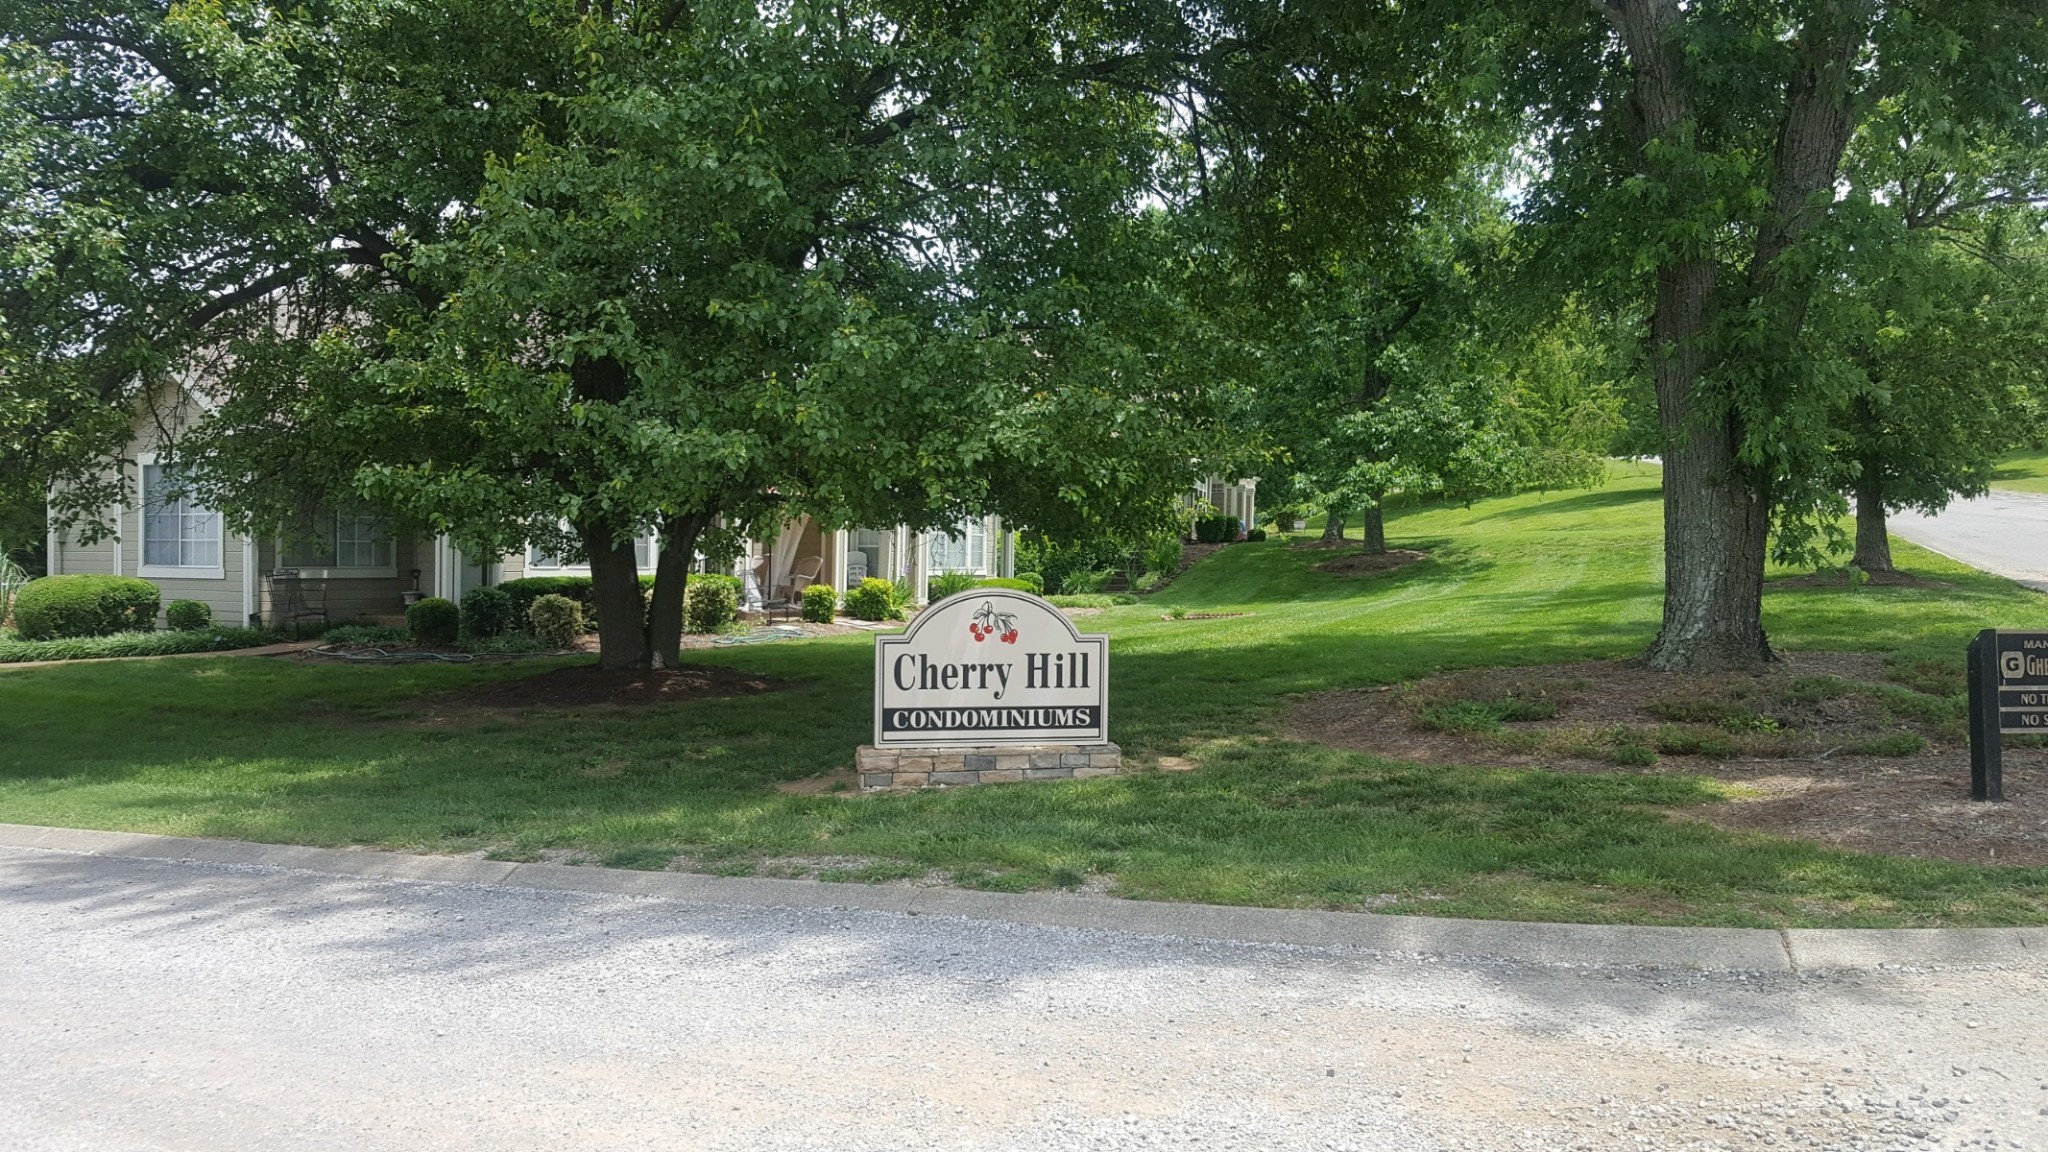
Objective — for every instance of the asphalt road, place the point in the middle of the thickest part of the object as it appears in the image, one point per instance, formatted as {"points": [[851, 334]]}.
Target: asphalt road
{"points": [[162, 1005], [2002, 532]]}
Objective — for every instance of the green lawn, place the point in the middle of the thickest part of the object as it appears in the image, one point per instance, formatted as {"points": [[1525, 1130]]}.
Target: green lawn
{"points": [[2023, 472], [270, 750]]}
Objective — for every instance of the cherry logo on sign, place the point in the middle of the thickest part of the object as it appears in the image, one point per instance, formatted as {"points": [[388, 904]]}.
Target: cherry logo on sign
{"points": [[988, 622]]}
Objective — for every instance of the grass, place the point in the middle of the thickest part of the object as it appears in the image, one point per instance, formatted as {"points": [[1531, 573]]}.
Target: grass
{"points": [[2023, 472], [281, 751]]}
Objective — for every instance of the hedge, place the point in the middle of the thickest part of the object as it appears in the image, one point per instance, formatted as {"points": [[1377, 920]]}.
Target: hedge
{"points": [[1013, 583], [14, 651], [486, 612], [526, 590], [63, 607], [187, 615]]}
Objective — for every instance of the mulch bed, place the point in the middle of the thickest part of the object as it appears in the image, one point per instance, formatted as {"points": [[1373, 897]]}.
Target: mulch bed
{"points": [[1802, 779], [1370, 563], [586, 686]]}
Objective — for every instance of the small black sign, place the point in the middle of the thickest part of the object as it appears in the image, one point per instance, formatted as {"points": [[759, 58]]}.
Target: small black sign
{"points": [[2008, 696], [2022, 681]]}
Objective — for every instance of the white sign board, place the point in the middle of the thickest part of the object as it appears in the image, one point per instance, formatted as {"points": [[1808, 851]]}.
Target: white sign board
{"points": [[990, 667]]}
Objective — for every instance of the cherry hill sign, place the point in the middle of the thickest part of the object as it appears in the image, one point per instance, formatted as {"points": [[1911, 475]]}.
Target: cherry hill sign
{"points": [[988, 669]]}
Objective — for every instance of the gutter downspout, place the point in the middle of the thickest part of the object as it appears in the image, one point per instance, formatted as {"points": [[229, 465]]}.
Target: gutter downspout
{"points": [[248, 582]]}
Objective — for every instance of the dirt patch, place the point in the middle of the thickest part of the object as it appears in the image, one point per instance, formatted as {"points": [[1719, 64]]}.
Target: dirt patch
{"points": [[587, 686], [1824, 746], [1371, 563]]}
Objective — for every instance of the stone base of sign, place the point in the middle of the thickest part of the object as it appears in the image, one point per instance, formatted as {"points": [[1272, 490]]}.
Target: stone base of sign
{"points": [[882, 768]]}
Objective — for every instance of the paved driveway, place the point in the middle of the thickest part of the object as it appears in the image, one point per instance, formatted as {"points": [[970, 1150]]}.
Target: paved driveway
{"points": [[2002, 532], [149, 1004]]}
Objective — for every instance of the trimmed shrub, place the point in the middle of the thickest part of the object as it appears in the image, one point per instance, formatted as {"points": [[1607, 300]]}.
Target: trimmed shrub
{"points": [[947, 584], [486, 612], [874, 599], [1255, 535], [1014, 584], [434, 621], [1033, 582], [187, 615], [525, 591], [821, 601], [1215, 529], [710, 603], [555, 620], [64, 607]]}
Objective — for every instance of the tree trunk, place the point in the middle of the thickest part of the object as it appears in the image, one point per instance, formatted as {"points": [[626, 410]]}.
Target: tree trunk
{"points": [[615, 596], [1873, 542], [1333, 525], [1376, 524], [1716, 529], [1717, 510], [671, 582]]}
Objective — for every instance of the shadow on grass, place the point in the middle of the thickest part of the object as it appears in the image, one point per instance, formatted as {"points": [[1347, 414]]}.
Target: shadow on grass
{"points": [[1599, 500]]}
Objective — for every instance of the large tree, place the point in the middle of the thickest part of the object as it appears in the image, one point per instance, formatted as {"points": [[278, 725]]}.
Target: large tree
{"points": [[1933, 330], [1694, 155], [628, 266]]}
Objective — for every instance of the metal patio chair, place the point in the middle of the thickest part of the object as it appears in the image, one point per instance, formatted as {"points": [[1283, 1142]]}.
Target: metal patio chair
{"points": [[294, 599]]}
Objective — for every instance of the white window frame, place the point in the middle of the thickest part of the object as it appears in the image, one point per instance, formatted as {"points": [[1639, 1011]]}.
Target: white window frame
{"points": [[964, 532], [218, 571], [645, 555], [342, 571]]}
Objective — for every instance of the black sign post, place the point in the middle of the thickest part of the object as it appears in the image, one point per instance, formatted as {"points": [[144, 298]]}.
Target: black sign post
{"points": [[2008, 696]]}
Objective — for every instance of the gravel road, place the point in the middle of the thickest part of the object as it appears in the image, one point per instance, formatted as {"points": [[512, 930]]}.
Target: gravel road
{"points": [[2002, 532], [161, 1005]]}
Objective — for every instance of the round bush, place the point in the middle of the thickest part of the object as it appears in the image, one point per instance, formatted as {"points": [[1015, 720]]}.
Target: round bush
{"points": [[187, 615], [820, 602], [874, 599], [710, 603], [1033, 583], [486, 612], [434, 621], [555, 620], [62, 607]]}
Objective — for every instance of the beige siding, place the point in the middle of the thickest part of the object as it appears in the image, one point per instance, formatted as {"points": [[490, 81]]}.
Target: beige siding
{"points": [[353, 598]]}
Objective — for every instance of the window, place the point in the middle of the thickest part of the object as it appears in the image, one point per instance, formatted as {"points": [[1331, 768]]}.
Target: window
{"points": [[179, 538], [353, 543], [963, 550], [540, 559]]}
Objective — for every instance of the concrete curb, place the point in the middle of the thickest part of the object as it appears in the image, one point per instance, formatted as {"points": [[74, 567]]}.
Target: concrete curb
{"points": [[1563, 945]]}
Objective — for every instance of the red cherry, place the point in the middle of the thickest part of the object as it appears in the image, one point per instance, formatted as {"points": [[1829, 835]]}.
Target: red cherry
{"points": [[1010, 637]]}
